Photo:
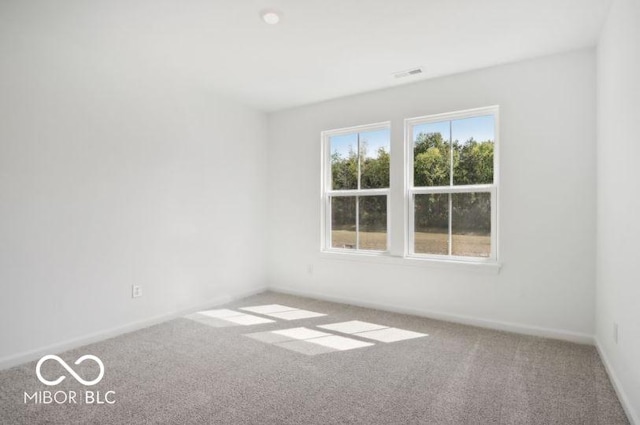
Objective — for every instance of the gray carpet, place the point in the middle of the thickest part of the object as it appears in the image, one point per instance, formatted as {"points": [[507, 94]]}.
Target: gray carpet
{"points": [[188, 371]]}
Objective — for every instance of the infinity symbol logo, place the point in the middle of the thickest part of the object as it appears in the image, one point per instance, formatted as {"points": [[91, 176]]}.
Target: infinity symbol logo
{"points": [[71, 371]]}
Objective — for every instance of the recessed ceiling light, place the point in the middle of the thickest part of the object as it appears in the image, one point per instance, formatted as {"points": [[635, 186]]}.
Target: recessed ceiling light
{"points": [[271, 17]]}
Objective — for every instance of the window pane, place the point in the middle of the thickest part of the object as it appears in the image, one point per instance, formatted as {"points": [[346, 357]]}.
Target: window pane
{"points": [[343, 222], [471, 224], [344, 161], [431, 154], [372, 215], [431, 235], [374, 159], [473, 141]]}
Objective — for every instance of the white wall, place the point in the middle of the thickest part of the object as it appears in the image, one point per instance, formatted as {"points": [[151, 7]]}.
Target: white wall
{"points": [[547, 200], [112, 176], [618, 255]]}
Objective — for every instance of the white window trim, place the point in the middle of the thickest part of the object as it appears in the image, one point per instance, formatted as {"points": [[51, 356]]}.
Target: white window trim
{"points": [[405, 258], [403, 261], [490, 188], [327, 193]]}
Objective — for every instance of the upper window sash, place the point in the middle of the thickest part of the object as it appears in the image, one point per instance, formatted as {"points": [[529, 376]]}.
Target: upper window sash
{"points": [[411, 123], [327, 154]]}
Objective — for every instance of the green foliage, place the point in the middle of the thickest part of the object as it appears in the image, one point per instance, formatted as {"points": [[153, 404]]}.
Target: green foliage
{"points": [[472, 161], [343, 213], [471, 213], [375, 171], [431, 165], [344, 171], [372, 212], [472, 164]]}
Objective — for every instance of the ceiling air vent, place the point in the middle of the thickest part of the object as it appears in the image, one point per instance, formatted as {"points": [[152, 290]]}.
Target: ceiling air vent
{"points": [[408, 73]]}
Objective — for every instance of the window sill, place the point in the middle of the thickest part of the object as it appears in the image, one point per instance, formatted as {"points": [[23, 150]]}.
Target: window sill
{"points": [[386, 258]]}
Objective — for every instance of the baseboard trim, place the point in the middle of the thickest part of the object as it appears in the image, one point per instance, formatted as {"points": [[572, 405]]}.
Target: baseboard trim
{"points": [[465, 320], [633, 417], [28, 356]]}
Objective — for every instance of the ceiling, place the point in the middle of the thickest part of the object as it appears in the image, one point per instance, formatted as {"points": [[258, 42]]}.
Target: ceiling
{"points": [[321, 49]]}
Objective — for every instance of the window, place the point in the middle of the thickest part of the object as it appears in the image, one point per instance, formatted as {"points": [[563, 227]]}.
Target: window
{"points": [[448, 181], [452, 185], [356, 166]]}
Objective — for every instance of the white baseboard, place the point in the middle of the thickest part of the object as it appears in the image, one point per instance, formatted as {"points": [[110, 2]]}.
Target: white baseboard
{"points": [[633, 417], [465, 320], [27, 356]]}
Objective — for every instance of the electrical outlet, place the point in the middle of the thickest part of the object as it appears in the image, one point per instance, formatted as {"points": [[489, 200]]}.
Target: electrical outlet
{"points": [[136, 291], [615, 332]]}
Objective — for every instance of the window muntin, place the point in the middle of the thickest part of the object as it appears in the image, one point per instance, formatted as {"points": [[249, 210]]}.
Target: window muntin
{"points": [[452, 185], [356, 167]]}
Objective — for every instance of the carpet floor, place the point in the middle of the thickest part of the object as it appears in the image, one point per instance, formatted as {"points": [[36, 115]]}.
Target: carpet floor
{"points": [[278, 365]]}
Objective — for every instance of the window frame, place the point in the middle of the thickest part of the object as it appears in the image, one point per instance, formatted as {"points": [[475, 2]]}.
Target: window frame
{"points": [[411, 190], [327, 192]]}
